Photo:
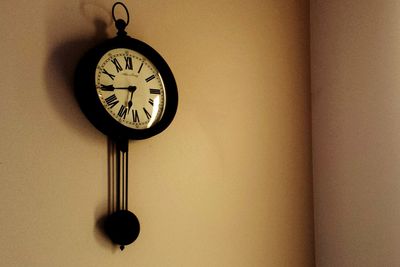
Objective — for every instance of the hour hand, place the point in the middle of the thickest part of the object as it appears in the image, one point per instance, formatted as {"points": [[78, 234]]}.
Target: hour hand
{"points": [[107, 87], [111, 87]]}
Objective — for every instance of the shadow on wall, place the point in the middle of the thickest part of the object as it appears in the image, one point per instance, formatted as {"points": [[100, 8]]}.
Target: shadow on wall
{"points": [[64, 54], [65, 50]]}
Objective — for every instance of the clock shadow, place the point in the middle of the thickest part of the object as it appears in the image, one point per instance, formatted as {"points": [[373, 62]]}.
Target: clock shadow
{"points": [[59, 77]]}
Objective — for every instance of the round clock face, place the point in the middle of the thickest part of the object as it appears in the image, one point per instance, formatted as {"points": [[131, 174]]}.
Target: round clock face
{"points": [[130, 88], [126, 89]]}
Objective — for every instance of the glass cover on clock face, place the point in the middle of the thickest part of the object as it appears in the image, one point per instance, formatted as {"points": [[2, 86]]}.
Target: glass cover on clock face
{"points": [[130, 88]]}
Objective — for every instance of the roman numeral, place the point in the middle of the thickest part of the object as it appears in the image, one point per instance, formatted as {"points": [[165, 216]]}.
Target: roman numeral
{"points": [[122, 111], [112, 100], [151, 102], [128, 63], [116, 64], [140, 68], [109, 74], [155, 91], [135, 116], [148, 115], [148, 79]]}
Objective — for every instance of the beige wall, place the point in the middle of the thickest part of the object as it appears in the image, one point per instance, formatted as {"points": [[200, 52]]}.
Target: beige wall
{"points": [[228, 184], [356, 130]]}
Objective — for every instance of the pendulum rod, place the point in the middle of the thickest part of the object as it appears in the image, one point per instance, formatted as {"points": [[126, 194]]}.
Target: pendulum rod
{"points": [[121, 225], [121, 175]]}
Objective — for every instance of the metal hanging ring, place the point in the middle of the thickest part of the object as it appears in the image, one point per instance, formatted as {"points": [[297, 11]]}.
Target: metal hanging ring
{"points": [[126, 10]]}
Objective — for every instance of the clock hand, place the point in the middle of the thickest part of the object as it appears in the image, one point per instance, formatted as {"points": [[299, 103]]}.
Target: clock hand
{"points": [[132, 89], [111, 87], [130, 104], [107, 87]]}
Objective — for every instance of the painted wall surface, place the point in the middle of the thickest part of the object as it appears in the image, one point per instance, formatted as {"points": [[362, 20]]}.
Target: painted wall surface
{"points": [[356, 149], [227, 184]]}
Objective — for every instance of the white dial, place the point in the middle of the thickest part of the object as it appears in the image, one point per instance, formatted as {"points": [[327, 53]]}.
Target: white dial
{"points": [[130, 88]]}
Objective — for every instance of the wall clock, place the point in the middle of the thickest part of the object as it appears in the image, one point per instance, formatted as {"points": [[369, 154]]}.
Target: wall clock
{"points": [[128, 92]]}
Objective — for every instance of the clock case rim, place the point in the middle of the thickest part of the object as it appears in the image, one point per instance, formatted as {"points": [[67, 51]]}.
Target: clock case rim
{"points": [[89, 102]]}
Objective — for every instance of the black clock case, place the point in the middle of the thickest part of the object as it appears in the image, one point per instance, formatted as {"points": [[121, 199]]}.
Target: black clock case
{"points": [[89, 102]]}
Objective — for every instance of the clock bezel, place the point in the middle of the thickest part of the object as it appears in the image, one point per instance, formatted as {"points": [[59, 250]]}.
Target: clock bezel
{"points": [[89, 102]]}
